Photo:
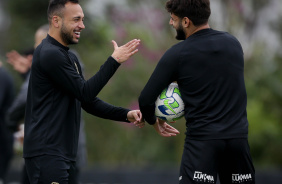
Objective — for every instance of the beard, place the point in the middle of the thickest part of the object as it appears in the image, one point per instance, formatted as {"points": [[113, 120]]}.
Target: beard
{"points": [[180, 34], [67, 36]]}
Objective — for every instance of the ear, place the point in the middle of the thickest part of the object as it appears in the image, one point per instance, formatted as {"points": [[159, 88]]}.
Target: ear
{"points": [[56, 21], [186, 22]]}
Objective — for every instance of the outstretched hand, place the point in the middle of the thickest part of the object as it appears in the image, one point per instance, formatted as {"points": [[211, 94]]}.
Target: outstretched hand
{"points": [[20, 63], [165, 129], [135, 116], [124, 52]]}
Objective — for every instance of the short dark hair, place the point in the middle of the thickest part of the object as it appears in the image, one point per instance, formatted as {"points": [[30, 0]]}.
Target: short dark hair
{"points": [[56, 8], [198, 11]]}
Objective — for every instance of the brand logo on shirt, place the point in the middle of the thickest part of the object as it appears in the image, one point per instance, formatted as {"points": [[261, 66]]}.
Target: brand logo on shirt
{"points": [[202, 177], [76, 67], [239, 178], [180, 178], [54, 183]]}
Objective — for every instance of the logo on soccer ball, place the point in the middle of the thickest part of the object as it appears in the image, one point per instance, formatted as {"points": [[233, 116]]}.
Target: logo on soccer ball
{"points": [[169, 105]]}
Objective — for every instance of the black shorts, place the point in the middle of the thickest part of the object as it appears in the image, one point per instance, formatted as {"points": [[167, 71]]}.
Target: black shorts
{"points": [[203, 161], [49, 169]]}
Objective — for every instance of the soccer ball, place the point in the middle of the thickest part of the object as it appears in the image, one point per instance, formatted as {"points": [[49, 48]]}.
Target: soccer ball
{"points": [[169, 105]]}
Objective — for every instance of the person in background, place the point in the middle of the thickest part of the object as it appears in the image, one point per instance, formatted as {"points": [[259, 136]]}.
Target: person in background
{"points": [[208, 66], [6, 136], [21, 63]]}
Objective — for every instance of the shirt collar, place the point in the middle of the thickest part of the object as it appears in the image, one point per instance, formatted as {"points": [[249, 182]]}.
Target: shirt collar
{"points": [[202, 31], [55, 42]]}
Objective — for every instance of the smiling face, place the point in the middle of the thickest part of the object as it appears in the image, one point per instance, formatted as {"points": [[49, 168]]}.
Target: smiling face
{"points": [[72, 24], [176, 23]]}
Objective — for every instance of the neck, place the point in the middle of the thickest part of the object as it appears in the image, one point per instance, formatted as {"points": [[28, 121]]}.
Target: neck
{"points": [[196, 29], [57, 37]]}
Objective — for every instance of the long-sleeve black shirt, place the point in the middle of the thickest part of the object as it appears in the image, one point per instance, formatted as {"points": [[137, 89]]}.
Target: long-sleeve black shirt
{"points": [[56, 93], [16, 111], [209, 69], [6, 99], [6, 93]]}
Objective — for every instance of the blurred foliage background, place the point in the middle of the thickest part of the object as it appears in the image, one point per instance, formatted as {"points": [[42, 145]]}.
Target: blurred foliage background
{"points": [[256, 24]]}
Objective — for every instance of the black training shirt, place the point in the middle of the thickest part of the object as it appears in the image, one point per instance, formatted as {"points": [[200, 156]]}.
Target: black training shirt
{"points": [[209, 69], [56, 93]]}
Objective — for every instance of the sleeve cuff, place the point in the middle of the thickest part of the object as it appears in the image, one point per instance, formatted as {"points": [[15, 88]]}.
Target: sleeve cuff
{"points": [[126, 120], [151, 121], [113, 59]]}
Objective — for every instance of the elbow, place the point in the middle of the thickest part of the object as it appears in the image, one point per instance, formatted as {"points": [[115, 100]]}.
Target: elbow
{"points": [[144, 102], [141, 101]]}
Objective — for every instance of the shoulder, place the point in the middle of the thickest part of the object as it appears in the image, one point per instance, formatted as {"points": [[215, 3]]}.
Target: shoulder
{"points": [[174, 50], [48, 57], [5, 74], [6, 78], [231, 40], [178, 46], [50, 51], [52, 54], [172, 56], [77, 57], [74, 55], [226, 35]]}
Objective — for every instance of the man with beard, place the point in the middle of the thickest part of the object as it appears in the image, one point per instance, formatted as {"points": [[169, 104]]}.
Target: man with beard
{"points": [[57, 91], [209, 69]]}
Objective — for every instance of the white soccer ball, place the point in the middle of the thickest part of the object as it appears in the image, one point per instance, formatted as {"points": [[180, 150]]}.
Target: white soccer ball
{"points": [[169, 105]]}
